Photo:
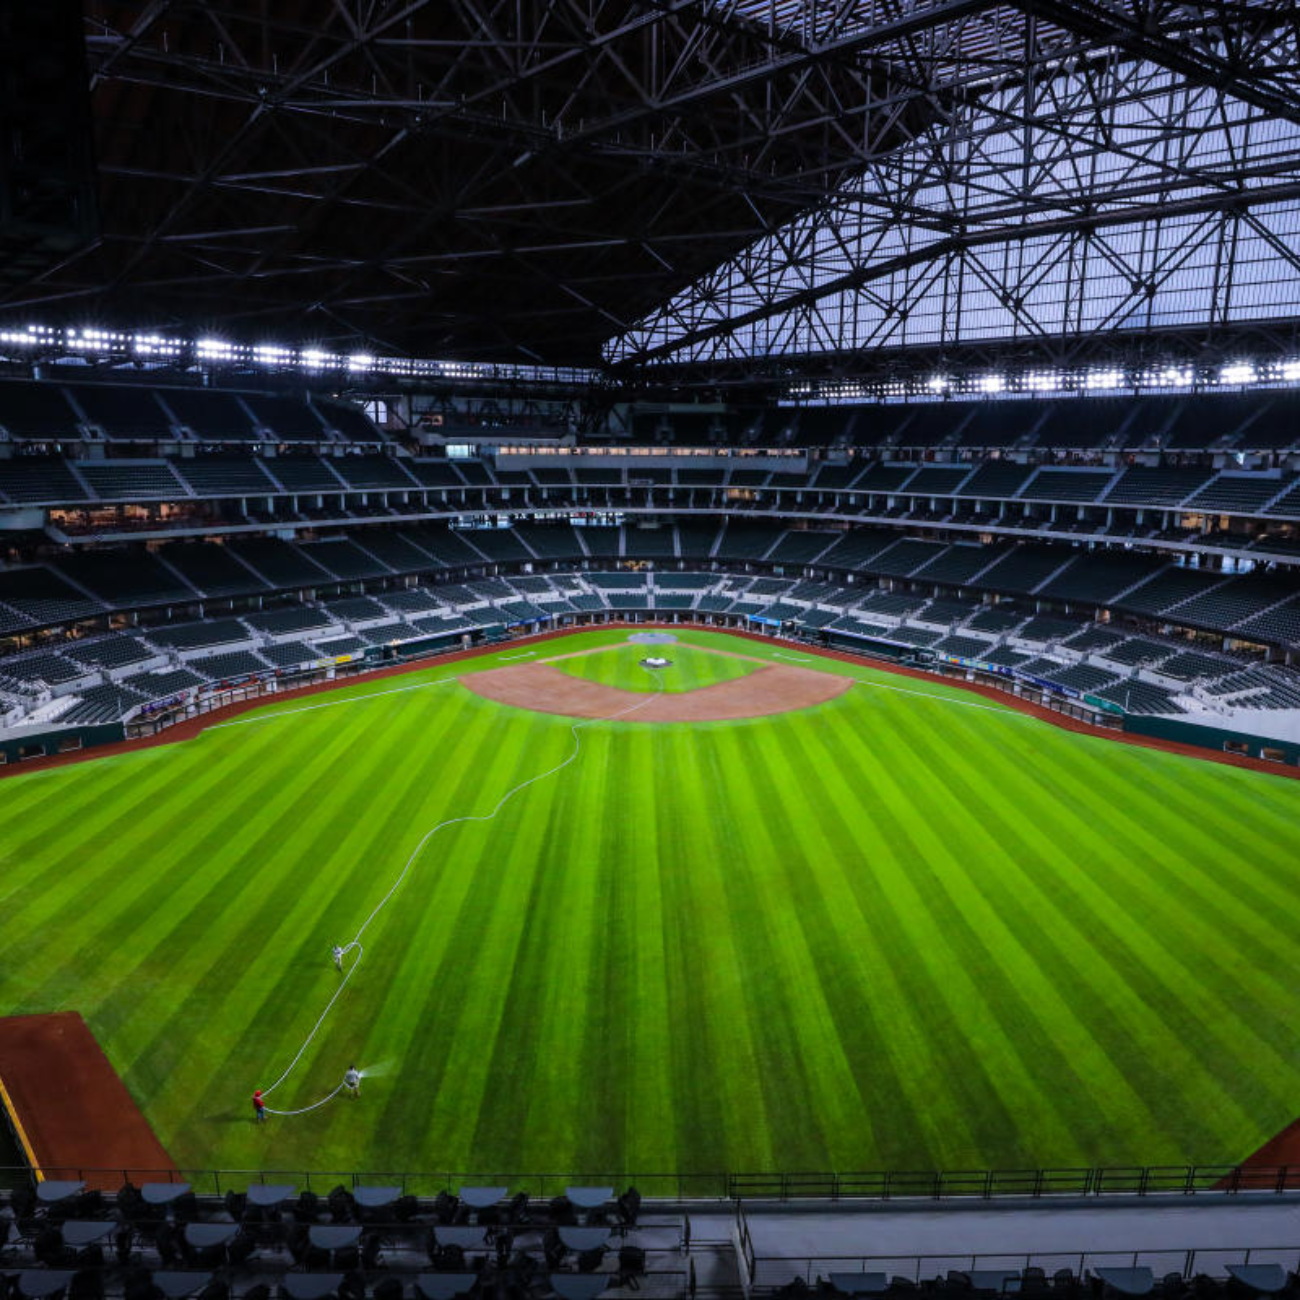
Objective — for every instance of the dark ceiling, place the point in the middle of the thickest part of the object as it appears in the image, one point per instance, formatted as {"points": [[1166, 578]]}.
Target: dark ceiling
{"points": [[498, 179]]}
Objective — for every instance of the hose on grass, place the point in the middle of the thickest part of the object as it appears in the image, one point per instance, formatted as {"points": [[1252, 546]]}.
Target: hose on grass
{"points": [[354, 945]]}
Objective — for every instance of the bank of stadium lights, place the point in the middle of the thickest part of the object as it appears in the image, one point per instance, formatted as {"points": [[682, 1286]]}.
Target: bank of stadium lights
{"points": [[103, 342], [1238, 374], [124, 346], [1169, 377], [273, 355], [215, 350], [156, 347], [23, 338]]}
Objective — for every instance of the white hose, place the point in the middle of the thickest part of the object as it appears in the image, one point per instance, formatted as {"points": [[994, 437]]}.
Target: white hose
{"points": [[410, 862]]}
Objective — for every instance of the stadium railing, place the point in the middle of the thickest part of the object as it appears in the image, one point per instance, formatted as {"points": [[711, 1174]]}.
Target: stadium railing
{"points": [[1188, 1262], [941, 1185]]}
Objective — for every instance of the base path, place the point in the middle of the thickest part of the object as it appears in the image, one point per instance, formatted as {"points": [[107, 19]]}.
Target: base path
{"points": [[72, 1112], [769, 690]]}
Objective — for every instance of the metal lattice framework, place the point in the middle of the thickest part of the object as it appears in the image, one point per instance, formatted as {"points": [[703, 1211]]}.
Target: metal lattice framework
{"points": [[1095, 168], [733, 186], [513, 179]]}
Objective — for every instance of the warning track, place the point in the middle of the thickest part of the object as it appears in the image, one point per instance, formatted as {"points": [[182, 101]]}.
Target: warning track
{"points": [[73, 1114]]}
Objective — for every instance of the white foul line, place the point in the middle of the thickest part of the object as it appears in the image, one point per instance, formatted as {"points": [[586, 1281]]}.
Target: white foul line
{"points": [[332, 704], [504, 658], [946, 699], [799, 659]]}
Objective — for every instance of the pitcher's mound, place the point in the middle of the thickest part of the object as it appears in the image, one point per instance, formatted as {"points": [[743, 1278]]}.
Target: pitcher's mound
{"points": [[774, 689]]}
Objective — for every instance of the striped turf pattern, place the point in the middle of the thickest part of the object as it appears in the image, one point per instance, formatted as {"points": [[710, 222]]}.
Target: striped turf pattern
{"points": [[897, 930]]}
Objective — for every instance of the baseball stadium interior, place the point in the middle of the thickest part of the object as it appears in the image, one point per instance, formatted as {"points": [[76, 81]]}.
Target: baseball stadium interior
{"points": [[953, 341]]}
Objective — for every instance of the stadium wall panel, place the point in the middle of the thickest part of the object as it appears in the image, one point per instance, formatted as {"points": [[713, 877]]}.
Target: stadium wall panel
{"points": [[1217, 738], [39, 744]]}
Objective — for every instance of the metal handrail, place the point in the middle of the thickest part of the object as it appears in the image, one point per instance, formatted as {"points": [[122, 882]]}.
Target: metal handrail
{"points": [[738, 1187]]}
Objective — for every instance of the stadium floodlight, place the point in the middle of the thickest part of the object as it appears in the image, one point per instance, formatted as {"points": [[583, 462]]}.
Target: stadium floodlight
{"points": [[1101, 380], [273, 354], [939, 383], [213, 349], [159, 348], [1290, 371], [90, 339], [993, 384], [1238, 372]]}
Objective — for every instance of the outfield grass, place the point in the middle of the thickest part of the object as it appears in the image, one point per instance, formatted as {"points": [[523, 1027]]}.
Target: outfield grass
{"points": [[689, 670], [905, 929]]}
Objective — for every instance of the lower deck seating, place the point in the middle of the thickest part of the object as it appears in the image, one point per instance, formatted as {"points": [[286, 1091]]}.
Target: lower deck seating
{"points": [[227, 667], [1135, 696], [297, 618], [109, 652], [339, 646], [964, 647], [40, 669], [165, 684], [194, 636], [288, 654], [1189, 665], [97, 704]]}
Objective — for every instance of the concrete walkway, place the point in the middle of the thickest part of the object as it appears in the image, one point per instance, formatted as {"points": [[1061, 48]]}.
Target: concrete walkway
{"points": [[926, 1240]]}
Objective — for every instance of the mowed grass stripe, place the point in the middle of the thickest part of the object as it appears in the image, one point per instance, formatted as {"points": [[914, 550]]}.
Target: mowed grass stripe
{"points": [[899, 995], [884, 932], [1189, 993], [990, 1077], [1059, 979], [285, 980], [771, 989], [649, 1016], [795, 925], [150, 819], [1148, 991], [965, 925], [461, 982], [437, 971], [1146, 925], [892, 1068], [716, 1021]]}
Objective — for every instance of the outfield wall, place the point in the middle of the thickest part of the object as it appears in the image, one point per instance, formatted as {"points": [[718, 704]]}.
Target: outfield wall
{"points": [[1219, 739], [23, 745]]}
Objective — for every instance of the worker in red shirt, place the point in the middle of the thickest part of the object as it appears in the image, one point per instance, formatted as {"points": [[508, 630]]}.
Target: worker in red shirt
{"points": [[259, 1107]]}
